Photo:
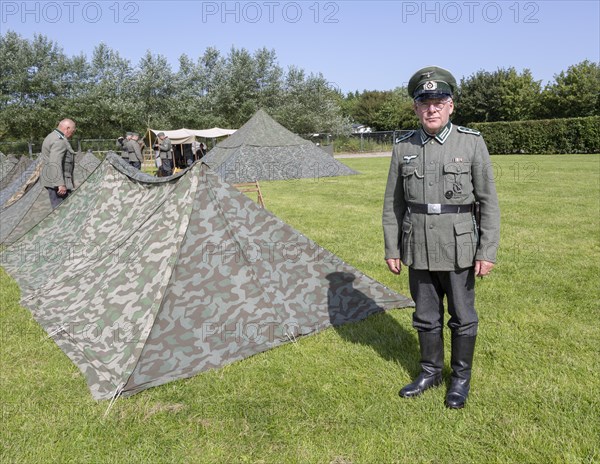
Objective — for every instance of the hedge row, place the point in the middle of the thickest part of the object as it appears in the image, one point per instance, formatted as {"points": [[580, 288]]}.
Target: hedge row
{"points": [[548, 136]]}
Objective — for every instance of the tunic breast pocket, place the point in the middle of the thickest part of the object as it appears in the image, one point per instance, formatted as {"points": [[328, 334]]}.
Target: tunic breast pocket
{"points": [[410, 181], [457, 180]]}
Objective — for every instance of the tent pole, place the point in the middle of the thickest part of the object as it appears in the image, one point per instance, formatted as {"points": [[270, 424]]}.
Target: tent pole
{"points": [[150, 144]]}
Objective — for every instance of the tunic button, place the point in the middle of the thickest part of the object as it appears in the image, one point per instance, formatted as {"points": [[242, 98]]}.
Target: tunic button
{"points": [[430, 184], [431, 226]]}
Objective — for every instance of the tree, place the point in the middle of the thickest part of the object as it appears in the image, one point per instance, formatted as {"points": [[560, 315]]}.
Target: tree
{"points": [[186, 109], [237, 88], [154, 90], [105, 105], [396, 112], [369, 104], [502, 95], [519, 99], [309, 105], [268, 79], [32, 82], [575, 93]]}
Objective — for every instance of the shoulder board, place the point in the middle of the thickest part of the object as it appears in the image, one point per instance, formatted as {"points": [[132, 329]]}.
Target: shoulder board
{"points": [[466, 130], [404, 137]]}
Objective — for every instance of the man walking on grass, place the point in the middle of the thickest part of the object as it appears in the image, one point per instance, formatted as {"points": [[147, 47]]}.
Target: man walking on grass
{"points": [[441, 219], [58, 158]]}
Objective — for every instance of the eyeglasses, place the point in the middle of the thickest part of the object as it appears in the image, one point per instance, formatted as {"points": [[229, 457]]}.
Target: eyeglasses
{"points": [[438, 105]]}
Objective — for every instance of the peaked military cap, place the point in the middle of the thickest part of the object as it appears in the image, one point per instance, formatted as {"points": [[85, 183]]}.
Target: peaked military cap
{"points": [[432, 81], [160, 134], [128, 134]]}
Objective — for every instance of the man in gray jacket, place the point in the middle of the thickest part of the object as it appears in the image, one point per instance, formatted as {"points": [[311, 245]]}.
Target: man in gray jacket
{"points": [[58, 158], [163, 145], [441, 219], [134, 150]]}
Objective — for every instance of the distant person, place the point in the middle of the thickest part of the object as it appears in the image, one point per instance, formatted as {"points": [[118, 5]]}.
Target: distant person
{"points": [[201, 151], [437, 175], [135, 151], [163, 145], [122, 146], [142, 144], [58, 158]]}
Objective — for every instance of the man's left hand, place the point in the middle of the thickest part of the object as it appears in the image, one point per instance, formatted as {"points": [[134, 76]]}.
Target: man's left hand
{"points": [[483, 268]]}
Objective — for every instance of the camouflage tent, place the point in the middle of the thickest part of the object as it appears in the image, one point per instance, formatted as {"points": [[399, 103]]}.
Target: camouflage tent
{"points": [[26, 202], [262, 149], [143, 280], [15, 180], [7, 163], [15, 172]]}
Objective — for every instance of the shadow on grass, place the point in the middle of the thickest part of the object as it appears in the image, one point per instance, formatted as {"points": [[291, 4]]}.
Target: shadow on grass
{"points": [[381, 332]]}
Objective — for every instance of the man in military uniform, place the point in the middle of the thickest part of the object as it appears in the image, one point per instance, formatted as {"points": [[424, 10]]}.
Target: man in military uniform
{"points": [[122, 146], [135, 151], [58, 158], [437, 175], [163, 145]]}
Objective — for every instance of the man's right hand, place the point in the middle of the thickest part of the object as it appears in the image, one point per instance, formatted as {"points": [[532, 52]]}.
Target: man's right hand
{"points": [[62, 190], [394, 265]]}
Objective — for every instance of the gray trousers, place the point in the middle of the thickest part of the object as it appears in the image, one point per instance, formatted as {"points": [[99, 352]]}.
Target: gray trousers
{"points": [[55, 198], [428, 289], [167, 166]]}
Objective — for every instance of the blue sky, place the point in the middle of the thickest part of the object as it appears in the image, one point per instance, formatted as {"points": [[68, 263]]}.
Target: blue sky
{"points": [[356, 45]]}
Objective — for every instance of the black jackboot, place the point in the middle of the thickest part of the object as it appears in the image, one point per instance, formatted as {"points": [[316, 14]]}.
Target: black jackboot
{"points": [[461, 362], [432, 361]]}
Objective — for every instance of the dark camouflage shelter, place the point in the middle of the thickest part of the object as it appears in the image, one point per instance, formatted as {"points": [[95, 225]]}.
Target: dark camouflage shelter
{"points": [[143, 280], [262, 149], [7, 163], [25, 202], [15, 172]]}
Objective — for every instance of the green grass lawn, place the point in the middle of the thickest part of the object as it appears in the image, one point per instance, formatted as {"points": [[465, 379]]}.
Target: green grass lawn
{"points": [[332, 397]]}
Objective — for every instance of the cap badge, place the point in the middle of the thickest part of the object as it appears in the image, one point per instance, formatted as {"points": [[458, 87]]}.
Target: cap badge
{"points": [[430, 85]]}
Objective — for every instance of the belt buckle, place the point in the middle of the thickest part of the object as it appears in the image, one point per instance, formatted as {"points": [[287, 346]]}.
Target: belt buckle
{"points": [[434, 208]]}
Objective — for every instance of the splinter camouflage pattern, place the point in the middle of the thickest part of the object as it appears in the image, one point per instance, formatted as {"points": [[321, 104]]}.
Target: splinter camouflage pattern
{"points": [[15, 172], [28, 203], [262, 149], [7, 163], [143, 280]]}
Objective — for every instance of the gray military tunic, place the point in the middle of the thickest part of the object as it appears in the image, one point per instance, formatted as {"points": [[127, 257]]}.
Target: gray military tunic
{"points": [[454, 168], [122, 146], [58, 160], [164, 147], [134, 151]]}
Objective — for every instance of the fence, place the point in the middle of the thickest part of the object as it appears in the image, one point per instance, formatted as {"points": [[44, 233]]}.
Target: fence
{"points": [[33, 148], [367, 142]]}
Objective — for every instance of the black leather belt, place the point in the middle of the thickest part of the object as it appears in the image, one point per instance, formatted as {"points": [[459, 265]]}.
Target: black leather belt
{"points": [[436, 208]]}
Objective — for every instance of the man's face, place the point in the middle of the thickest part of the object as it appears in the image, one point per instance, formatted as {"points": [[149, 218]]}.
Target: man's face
{"points": [[433, 112], [69, 130]]}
